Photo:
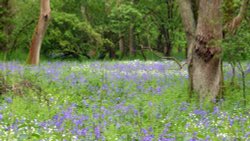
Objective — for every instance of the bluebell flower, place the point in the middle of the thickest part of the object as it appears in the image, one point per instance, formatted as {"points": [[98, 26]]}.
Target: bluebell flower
{"points": [[8, 100], [216, 110], [1, 116], [148, 138], [97, 132], [166, 139]]}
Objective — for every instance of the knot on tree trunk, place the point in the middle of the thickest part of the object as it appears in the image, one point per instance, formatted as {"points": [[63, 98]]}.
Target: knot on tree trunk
{"points": [[46, 16], [205, 52]]}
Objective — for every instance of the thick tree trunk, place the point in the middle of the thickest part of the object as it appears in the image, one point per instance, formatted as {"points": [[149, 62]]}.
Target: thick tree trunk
{"points": [[206, 69], [34, 53]]}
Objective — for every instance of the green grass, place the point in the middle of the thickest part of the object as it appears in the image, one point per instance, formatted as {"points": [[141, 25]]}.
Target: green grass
{"points": [[114, 101]]}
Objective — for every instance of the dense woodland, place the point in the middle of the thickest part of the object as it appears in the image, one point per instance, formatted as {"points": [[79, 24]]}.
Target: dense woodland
{"points": [[115, 29], [95, 29]]}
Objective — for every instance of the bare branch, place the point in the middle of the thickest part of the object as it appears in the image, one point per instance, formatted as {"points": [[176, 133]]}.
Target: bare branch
{"points": [[164, 57]]}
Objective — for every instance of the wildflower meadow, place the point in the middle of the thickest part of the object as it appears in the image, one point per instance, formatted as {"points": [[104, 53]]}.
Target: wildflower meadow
{"points": [[116, 101]]}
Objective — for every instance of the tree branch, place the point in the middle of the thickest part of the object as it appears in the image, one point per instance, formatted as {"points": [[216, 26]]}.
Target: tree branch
{"points": [[164, 57], [232, 25]]}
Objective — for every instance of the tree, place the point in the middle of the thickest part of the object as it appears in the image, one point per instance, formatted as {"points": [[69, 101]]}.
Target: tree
{"points": [[204, 37], [6, 26], [34, 53], [69, 37]]}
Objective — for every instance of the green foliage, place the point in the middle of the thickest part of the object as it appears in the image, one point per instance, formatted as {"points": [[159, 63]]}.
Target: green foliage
{"points": [[25, 19], [68, 35], [5, 20], [121, 17], [237, 47], [95, 26]]}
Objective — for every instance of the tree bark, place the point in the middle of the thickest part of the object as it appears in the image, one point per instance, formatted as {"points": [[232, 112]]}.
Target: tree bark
{"points": [[6, 25], [121, 45], [188, 21], [34, 53], [168, 44], [206, 62], [187, 15], [132, 50]]}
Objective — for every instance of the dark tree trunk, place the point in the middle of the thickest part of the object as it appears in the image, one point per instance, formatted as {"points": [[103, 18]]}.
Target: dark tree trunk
{"points": [[168, 44], [121, 45], [159, 40], [34, 53], [132, 50], [164, 43], [6, 26]]}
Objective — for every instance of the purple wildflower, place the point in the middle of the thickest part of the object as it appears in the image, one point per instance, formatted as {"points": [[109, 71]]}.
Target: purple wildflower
{"points": [[83, 132], [8, 100], [200, 112], [148, 138], [216, 110], [247, 135], [97, 132], [166, 139]]}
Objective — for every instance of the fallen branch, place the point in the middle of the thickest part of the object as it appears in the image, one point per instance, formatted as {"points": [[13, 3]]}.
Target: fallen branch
{"points": [[164, 57]]}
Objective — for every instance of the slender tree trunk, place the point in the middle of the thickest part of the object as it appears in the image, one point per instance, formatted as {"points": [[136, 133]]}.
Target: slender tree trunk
{"points": [[159, 40], [188, 21], [6, 13], [232, 83], [168, 44], [132, 50], [185, 7], [121, 45], [34, 53]]}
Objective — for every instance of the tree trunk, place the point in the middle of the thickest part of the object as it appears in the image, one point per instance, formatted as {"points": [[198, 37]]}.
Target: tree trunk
{"points": [[206, 69], [185, 7], [205, 65], [6, 26], [132, 51], [121, 45], [168, 44], [34, 53]]}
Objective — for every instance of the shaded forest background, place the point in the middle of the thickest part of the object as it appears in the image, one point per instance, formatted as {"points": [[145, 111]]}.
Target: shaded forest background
{"points": [[109, 29]]}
